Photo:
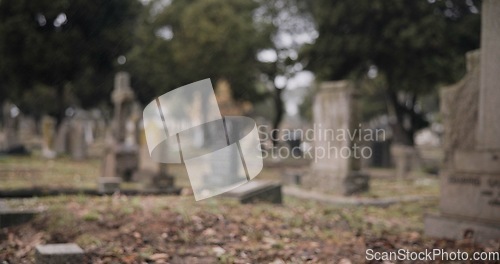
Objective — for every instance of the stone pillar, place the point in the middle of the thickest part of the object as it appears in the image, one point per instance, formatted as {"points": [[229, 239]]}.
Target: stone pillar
{"points": [[336, 171], [488, 133]]}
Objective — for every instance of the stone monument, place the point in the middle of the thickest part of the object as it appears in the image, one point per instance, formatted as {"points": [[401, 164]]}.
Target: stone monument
{"points": [[48, 134], [121, 154], [470, 180], [11, 117], [335, 111], [154, 175]]}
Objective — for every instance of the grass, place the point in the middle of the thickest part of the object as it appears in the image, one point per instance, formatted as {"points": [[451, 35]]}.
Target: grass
{"points": [[130, 229]]}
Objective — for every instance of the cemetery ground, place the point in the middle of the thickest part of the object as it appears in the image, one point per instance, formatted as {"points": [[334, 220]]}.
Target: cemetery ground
{"points": [[177, 229]]}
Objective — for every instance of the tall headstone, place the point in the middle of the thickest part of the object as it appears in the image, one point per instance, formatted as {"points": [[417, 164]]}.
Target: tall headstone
{"points": [[11, 117], [61, 145], [77, 143], [121, 153], [48, 134], [336, 170], [470, 182], [27, 130]]}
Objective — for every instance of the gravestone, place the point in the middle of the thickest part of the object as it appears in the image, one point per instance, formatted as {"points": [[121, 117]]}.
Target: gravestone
{"points": [[153, 175], [470, 179], [71, 136], [11, 116], [336, 172], [76, 139], [405, 158], [121, 153], [11, 216], [27, 131], [61, 144], [59, 254], [257, 191], [48, 134]]}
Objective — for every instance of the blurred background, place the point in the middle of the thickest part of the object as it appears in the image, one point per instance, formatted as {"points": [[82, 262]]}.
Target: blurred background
{"points": [[76, 75]]}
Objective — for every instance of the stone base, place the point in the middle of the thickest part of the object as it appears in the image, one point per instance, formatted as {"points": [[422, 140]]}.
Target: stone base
{"points": [[354, 182], [291, 178], [127, 161], [405, 159], [158, 183], [59, 254], [443, 226], [109, 185], [257, 191]]}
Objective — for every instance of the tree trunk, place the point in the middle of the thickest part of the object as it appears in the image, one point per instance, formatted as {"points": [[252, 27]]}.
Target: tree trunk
{"points": [[278, 104], [408, 122], [61, 104]]}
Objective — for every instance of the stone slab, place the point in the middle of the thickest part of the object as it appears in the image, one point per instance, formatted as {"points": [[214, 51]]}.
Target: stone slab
{"points": [[11, 217], [59, 254], [458, 228], [109, 185], [291, 178], [256, 191], [352, 201]]}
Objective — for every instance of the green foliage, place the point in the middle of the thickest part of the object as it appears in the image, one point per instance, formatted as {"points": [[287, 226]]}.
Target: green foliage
{"points": [[59, 42], [205, 39], [415, 45]]}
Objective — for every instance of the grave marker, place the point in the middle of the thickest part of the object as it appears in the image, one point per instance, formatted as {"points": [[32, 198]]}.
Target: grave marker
{"points": [[470, 181], [335, 111]]}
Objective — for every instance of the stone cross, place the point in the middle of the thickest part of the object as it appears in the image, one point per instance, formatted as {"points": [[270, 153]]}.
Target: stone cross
{"points": [[122, 97]]}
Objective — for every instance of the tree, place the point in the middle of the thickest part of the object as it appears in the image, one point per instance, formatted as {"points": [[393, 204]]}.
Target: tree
{"points": [[282, 19], [61, 46], [186, 41], [415, 46]]}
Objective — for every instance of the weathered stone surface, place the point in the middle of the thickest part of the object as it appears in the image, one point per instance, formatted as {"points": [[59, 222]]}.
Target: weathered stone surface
{"points": [[257, 191], [460, 119], [59, 254], [471, 195], [477, 161]]}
